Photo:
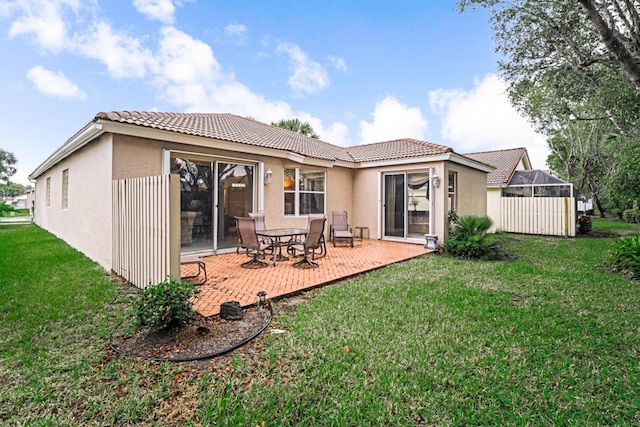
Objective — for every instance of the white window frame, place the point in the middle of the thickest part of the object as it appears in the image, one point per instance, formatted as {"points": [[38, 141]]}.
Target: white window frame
{"points": [[297, 192], [452, 194]]}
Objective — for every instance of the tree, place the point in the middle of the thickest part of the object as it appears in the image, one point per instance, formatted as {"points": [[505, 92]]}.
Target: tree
{"points": [[7, 170], [557, 65], [618, 22], [12, 190], [592, 32], [579, 155], [296, 125], [573, 70]]}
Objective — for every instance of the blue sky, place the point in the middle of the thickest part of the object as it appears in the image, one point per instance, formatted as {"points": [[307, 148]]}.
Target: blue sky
{"points": [[358, 71]]}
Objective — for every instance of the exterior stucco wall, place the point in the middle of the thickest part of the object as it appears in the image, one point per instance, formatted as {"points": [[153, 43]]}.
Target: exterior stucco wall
{"points": [[472, 188], [86, 223], [471, 193], [366, 210], [367, 202], [135, 157]]}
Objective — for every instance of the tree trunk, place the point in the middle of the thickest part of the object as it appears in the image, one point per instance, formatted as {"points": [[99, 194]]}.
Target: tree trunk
{"points": [[612, 41], [599, 205]]}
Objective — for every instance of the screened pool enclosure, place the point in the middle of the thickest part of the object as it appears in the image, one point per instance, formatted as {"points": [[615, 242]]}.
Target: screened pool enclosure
{"points": [[536, 183]]}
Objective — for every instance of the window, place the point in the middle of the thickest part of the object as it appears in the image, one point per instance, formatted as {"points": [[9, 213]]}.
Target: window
{"points": [[452, 187], [65, 189], [48, 191], [304, 191]]}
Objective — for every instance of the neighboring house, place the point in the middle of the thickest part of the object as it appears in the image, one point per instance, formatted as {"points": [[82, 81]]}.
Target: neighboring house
{"points": [[20, 201], [525, 200], [231, 166], [506, 162]]}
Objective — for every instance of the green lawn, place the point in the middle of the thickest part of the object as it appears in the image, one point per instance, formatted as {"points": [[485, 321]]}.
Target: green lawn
{"points": [[552, 338]]}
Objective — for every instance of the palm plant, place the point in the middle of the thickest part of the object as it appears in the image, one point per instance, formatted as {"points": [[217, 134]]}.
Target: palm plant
{"points": [[470, 238]]}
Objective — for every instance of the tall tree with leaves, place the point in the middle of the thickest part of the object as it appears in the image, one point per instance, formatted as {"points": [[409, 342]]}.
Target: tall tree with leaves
{"points": [[572, 69], [296, 125], [7, 168]]}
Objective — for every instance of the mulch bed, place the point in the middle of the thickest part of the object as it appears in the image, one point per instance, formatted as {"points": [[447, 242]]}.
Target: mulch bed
{"points": [[197, 338]]}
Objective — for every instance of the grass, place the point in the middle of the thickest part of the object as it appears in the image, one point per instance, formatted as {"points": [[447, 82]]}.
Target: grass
{"points": [[551, 338]]}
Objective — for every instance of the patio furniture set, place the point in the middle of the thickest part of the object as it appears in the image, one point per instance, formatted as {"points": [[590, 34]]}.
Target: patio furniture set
{"points": [[257, 241]]}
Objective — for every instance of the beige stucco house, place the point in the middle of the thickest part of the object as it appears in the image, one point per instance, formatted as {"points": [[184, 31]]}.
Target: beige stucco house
{"points": [[230, 166]]}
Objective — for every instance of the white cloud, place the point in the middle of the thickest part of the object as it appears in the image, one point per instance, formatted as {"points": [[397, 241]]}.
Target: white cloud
{"points": [[192, 78], [307, 76], [337, 62], [54, 84], [160, 10], [182, 68], [483, 119], [236, 32], [337, 133], [393, 120], [45, 20], [124, 55]]}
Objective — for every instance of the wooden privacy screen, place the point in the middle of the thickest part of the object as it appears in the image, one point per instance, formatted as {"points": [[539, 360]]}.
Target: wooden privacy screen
{"points": [[146, 234], [548, 216]]}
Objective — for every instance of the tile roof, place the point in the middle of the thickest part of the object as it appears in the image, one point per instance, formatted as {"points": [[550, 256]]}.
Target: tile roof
{"points": [[397, 149], [229, 127], [505, 162]]}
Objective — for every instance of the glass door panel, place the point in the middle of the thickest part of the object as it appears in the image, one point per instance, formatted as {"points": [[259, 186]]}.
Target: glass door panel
{"points": [[235, 197], [196, 203], [418, 208], [394, 205]]}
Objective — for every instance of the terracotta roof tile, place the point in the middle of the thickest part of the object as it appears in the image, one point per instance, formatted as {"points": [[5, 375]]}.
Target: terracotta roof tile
{"points": [[397, 149], [505, 162], [229, 127]]}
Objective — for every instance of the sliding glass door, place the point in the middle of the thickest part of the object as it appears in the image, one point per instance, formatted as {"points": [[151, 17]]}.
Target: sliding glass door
{"points": [[406, 205], [394, 205], [235, 197], [208, 205]]}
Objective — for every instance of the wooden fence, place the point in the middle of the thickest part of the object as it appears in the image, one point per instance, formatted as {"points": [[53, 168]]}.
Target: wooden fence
{"points": [[146, 234], [549, 216]]}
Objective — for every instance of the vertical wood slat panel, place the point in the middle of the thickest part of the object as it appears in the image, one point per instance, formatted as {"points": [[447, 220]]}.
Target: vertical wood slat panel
{"points": [[141, 229], [549, 216]]}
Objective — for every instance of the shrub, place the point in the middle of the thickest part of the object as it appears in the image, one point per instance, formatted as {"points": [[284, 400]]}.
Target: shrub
{"points": [[453, 219], [631, 215], [469, 238], [584, 224], [5, 208], [165, 304], [624, 255]]}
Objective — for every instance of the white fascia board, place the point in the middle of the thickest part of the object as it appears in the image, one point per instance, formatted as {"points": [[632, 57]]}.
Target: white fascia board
{"points": [[466, 161], [405, 161], [79, 140]]}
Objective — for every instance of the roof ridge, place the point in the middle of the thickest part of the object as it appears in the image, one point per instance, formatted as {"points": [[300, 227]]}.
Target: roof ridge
{"points": [[498, 151]]}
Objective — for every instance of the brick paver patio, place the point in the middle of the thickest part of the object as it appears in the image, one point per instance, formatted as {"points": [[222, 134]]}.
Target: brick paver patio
{"points": [[227, 281]]}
